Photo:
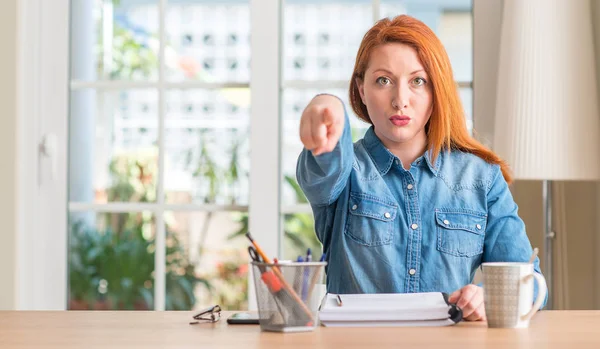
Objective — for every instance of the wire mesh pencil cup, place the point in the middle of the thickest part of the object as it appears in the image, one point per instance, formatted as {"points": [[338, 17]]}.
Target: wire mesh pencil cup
{"points": [[287, 295]]}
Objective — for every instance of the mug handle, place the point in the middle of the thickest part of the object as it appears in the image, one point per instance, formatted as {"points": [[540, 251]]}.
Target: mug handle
{"points": [[542, 290]]}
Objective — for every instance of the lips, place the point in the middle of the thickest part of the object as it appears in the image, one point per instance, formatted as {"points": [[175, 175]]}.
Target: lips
{"points": [[400, 120]]}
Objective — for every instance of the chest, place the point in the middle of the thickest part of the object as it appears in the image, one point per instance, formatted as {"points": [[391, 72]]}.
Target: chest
{"points": [[405, 207]]}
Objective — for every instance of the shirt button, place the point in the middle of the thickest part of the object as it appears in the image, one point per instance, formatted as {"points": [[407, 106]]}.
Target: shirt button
{"points": [[414, 226], [409, 187], [412, 272], [478, 226], [446, 221], [354, 207], [397, 162], [387, 215]]}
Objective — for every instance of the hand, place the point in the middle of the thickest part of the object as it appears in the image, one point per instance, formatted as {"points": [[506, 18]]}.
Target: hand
{"points": [[322, 124], [470, 300]]}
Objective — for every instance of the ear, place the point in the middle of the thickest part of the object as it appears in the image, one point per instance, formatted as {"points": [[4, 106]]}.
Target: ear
{"points": [[361, 88]]}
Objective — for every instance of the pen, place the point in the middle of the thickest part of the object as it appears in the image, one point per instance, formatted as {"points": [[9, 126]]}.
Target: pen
{"points": [[339, 300], [304, 292], [297, 275], [323, 257]]}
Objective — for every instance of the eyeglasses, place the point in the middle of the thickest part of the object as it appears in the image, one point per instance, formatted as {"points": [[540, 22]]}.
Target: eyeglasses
{"points": [[210, 314]]}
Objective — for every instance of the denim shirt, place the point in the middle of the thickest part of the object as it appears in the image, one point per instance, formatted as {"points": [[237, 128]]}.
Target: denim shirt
{"points": [[390, 230]]}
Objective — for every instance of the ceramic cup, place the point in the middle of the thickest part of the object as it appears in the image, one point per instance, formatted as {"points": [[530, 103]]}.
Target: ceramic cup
{"points": [[508, 293]]}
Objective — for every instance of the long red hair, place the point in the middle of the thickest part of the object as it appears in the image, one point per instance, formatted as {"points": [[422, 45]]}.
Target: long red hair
{"points": [[446, 129]]}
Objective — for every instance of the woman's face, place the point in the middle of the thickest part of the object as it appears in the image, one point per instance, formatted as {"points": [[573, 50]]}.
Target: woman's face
{"points": [[398, 95]]}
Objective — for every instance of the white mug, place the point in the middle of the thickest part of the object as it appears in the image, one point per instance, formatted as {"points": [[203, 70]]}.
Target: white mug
{"points": [[508, 293]]}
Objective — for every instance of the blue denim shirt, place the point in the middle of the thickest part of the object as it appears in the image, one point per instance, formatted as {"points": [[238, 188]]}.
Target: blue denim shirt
{"points": [[390, 230]]}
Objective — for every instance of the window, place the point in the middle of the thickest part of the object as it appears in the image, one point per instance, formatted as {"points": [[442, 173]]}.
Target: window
{"points": [[158, 161], [161, 126]]}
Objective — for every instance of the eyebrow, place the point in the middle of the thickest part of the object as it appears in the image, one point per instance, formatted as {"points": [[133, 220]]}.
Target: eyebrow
{"points": [[389, 72]]}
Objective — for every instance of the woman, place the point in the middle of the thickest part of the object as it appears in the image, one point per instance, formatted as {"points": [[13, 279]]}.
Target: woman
{"points": [[417, 204]]}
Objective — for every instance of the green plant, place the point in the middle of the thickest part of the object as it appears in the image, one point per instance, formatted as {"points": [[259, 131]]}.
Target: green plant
{"points": [[118, 268], [207, 171]]}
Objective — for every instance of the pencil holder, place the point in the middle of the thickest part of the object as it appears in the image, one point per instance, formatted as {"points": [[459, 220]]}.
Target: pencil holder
{"points": [[287, 296]]}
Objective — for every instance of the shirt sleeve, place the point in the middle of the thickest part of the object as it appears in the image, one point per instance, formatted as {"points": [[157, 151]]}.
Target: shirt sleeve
{"points": [[323, 177], [506, 239]]}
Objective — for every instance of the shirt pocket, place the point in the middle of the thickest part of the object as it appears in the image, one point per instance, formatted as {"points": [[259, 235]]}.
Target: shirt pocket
{"points": [[460, 233], [370, 220]]}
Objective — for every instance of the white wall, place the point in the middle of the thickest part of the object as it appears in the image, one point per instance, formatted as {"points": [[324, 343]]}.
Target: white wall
{"points": [[8, 131]]}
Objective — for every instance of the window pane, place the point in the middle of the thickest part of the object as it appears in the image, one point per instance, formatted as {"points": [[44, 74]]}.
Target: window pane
{"points": [[208, 42], [451, 20], [299, 233], [294, 101], [207, 260], [456, 32], [321, 38], [207, 146], [112, 146], [111, 261], [114, 40], [466, 96]]}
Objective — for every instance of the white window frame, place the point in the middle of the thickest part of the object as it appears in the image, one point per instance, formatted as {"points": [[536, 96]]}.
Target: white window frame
{"points": [[44, 107]]}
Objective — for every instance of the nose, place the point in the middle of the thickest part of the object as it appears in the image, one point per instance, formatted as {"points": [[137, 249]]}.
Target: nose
{"points": [[400, 96]]}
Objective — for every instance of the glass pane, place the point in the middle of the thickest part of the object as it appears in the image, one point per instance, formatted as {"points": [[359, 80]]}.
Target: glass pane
{"points": [[466, 96], [456, 32], [207, 146], [207, 260], [208, 42], [294, 102], [116, 40], [112, 146], [299, 232], [321, 38], [111, 261], [451, 20]]}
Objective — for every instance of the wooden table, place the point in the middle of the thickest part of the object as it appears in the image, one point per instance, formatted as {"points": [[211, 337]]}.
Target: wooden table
{"points": [[76, 329]]}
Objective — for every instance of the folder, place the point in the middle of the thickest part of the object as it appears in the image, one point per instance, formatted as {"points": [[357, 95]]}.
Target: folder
{"points": [[388, 309]]}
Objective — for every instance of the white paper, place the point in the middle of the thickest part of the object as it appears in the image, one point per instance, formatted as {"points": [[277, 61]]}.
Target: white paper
{"points": [[398, 309]]}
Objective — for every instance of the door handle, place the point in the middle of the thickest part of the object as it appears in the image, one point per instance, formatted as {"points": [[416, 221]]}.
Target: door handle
{"points": [[48, 148]]}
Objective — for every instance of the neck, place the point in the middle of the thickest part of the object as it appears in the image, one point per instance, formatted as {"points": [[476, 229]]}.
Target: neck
{"points": [[407, 151]]}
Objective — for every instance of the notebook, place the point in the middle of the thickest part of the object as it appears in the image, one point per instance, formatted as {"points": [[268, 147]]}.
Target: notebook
{"points": [[383, 310]]}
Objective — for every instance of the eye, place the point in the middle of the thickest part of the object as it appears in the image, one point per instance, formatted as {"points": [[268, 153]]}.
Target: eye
{"points": [[418, 81], [383, 81]]}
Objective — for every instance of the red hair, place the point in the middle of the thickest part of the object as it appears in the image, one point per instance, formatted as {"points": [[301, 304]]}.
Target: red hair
{"points": [[446, 129]]}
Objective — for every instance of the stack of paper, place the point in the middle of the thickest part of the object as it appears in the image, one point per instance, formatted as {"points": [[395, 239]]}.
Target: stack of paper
{"points": [[398, 309]]}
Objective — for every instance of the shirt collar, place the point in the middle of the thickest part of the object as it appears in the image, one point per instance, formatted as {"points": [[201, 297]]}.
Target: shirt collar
{"points": [[384, 159]]}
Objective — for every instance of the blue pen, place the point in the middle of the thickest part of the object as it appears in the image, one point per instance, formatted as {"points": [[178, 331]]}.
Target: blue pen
{"points": [[304, 292], [297, 283], [323, 257]]}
